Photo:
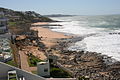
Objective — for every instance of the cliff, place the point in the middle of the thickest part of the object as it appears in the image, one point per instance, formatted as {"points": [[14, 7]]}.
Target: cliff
{"points": [[27, 16]]}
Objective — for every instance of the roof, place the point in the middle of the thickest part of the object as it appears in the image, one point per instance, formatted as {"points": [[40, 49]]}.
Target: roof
{"points": [[42, 63]]}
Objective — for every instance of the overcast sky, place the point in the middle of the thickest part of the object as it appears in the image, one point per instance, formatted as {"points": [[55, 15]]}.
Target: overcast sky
{"points": [[79, 7]]}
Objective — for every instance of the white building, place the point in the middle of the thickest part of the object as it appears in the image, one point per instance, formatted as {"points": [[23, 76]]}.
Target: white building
{"points": [[43, 69]]}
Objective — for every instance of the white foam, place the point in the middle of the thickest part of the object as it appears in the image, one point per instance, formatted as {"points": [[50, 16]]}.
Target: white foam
{"points": [[103, 42], [75, 27]]}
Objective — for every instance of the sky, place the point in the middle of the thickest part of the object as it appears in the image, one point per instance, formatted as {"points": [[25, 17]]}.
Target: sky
{"points": [[74, 7]]}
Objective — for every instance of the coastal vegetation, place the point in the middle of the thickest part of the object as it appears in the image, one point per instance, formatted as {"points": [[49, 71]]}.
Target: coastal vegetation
{"points": [[12, 63], [15, 61], [83, 78], [32, 60], [57, 72]]}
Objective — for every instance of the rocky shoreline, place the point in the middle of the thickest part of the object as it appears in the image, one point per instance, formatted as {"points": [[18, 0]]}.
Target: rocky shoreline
{"points": [[93, 65], [83, 63]]}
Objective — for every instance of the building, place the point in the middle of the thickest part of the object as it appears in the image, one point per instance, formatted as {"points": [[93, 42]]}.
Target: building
{"points": [[43, 69], [5, 36], [3, 23], [4, 33], [5, 50]]}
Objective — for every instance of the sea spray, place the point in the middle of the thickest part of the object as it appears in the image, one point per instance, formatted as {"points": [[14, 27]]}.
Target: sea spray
{"points": [[101, 33]]}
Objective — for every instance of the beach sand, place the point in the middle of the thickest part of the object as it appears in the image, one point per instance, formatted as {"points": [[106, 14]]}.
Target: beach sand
{"points": [[49, 37], [40, 23]]}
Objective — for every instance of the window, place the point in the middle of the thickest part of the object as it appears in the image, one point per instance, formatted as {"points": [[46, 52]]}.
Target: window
{"points": [[45, 70], [1, 31]]}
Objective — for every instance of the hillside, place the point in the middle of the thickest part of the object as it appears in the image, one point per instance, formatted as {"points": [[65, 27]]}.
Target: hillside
{"points": [[20, 22], [28, 16]]}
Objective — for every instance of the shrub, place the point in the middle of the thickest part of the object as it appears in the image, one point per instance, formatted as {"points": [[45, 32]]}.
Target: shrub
{"points": [[32, 60], [58, 73]]}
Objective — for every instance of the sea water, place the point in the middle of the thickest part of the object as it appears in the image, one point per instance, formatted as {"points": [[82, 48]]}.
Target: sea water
{"points": [[101, 33]]}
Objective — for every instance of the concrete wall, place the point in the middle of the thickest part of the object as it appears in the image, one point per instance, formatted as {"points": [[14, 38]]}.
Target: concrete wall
{"points": [[41, 67], [4, 68]]}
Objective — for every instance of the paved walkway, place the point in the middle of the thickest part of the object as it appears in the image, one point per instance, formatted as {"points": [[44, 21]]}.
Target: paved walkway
{"points": [[24, 62]]}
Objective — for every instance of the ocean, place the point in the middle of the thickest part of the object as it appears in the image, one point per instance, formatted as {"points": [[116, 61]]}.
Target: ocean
{"points": [[100, 34]]}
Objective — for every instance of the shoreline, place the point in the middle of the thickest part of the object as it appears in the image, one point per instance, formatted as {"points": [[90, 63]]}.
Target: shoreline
{"points": [[51, 41], [79, 62]]}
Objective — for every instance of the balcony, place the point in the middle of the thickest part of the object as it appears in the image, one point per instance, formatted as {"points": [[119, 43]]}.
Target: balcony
{"points": [[3, 19], [3, 27]]}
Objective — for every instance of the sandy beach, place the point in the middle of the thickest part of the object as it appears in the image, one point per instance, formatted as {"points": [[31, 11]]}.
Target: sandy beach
{"points": [[40, 23], [48, 37]]}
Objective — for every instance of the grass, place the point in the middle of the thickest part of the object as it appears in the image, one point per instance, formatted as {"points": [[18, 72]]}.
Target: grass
{"points": [[12, 63], [32, 60], [56, 72], [12, 75], [12, 24], [13, 79], [34, 72]]}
